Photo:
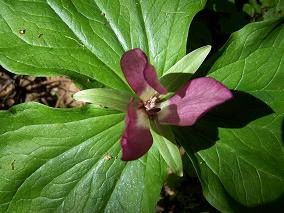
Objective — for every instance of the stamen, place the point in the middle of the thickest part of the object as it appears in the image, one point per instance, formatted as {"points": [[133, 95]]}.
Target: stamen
{"points": [[150, 106], [151, 103]]}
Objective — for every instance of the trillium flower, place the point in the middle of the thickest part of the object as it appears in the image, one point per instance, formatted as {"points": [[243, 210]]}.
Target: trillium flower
{"points": [[184, 108]]}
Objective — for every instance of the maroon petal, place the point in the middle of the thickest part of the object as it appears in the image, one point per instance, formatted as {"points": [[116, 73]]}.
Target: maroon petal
{"points": [[140, 75], [151, 77], [136, 139], [192, 101]]}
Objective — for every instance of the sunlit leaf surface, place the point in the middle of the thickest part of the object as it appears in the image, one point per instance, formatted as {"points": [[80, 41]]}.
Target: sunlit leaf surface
{"points": [[241, 162], [65, 160]]}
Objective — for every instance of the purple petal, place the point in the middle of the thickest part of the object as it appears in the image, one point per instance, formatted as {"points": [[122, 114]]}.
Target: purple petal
{"points": [[140, 75], [151, 77], [192, 101], [136, 139]]}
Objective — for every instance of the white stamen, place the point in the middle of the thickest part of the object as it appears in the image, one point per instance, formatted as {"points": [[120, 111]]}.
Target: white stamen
{"points": [[151, 103]]}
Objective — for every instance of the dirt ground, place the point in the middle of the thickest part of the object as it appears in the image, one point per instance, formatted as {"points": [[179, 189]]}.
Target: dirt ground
{"points": [[51, 91]]}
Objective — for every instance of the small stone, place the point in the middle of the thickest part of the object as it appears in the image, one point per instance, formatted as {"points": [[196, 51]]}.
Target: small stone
{"points": [[10, 102]]}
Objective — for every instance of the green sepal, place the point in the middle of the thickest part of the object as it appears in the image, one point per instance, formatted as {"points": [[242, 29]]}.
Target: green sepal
{"points": [[105, 97], [179, 73], [191, 62], [163, 139]]}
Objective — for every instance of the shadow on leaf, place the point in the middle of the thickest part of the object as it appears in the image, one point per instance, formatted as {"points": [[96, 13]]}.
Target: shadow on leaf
{"points": [[282, 131], [273, 206], [174, 81], [236, 113]]}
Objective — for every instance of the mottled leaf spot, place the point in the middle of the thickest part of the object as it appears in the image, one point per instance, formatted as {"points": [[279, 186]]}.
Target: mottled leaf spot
{"points": [[107, 157], [13, 164], [22, 31]]}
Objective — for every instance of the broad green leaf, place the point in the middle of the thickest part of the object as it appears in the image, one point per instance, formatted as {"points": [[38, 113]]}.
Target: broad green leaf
{"points": [[247, 8], [57, 160], [105, 97], [47, 46], [169, 151], [191, 62], [243, 139], [212, 188], [61, 157], [280, 5], [85, 39], [179, 73]]}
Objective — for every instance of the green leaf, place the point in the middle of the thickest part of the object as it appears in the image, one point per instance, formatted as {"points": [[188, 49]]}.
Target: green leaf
{"points": [[105, 97], [243, 139], [191, 62], [212, 188], [57, 160], [280, 6], [85, 39], [168, 150], [248, 9], [255, 5], [179, 73]]}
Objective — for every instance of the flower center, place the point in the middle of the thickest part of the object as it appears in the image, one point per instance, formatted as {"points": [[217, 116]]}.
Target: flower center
{"points": [[150, 105]]}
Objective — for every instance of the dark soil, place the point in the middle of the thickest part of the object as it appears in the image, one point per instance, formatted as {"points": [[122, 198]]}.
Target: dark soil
{"points": [[51, 91], [183, 195]]}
